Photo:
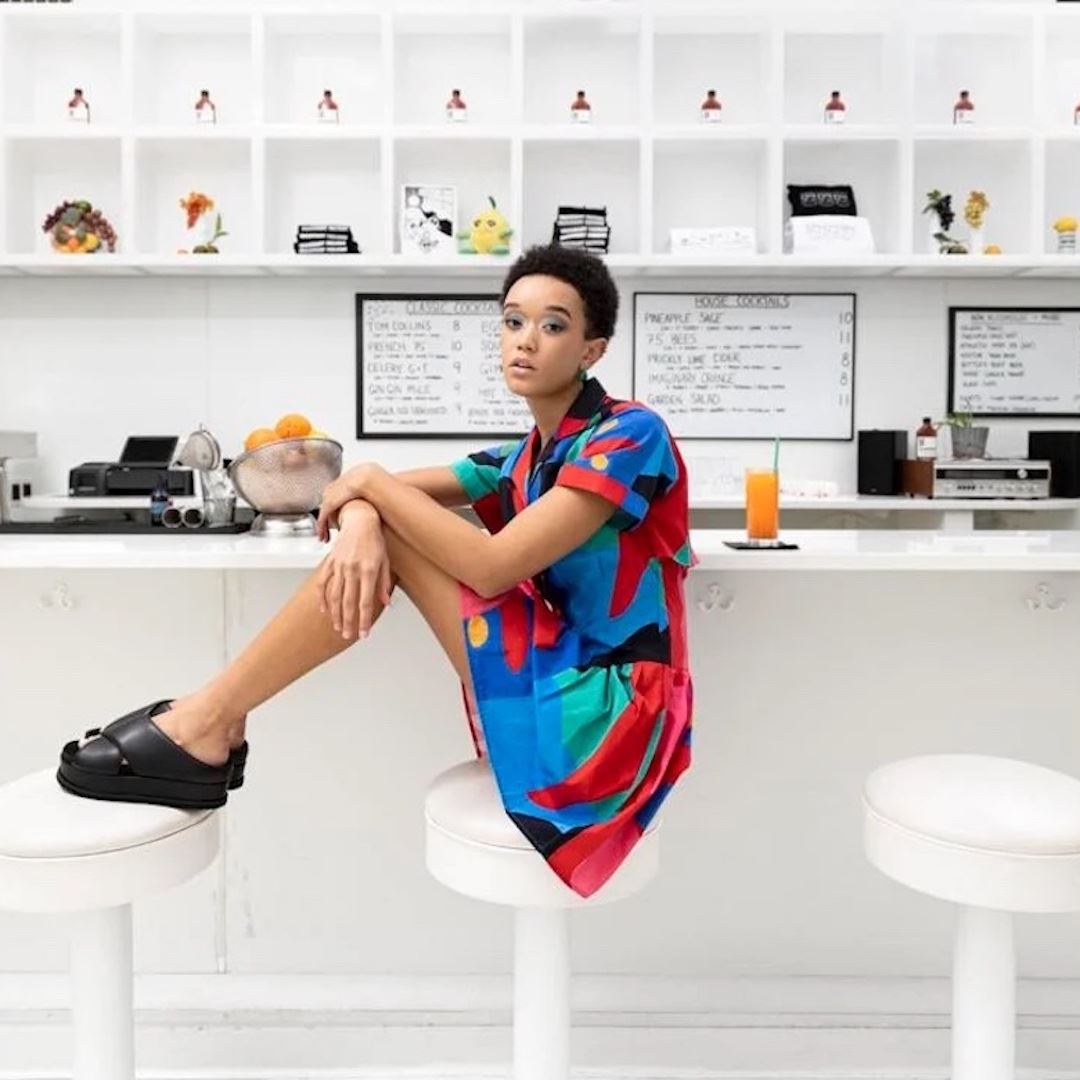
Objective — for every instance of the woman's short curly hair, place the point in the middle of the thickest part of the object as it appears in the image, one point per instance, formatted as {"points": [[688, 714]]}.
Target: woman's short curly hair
{"points": [[586, 273]]}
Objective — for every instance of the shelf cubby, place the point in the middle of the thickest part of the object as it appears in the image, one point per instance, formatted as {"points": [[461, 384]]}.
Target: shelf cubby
{"points": [[1062, 187], [168, 169], [598, 54], [572, 173], [695, 54], [177, 56], [307, 54], [43, 172], [483, 171], [707, 182], [434, 55], [323, 182], [975, 49], [1000, 168], [45, 59], [859, 58], [870, 165]]}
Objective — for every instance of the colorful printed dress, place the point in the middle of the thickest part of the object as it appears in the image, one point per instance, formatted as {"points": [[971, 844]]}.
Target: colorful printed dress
{"points": [[583, 689]]}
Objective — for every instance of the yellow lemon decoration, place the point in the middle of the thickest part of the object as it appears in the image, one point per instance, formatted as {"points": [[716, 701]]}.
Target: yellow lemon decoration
{"points": [[489, 233], [478, 631], [599, 461]]}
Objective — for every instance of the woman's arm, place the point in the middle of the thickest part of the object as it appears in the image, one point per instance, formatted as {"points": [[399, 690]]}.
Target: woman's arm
{"points": [[544, 532], [438, 482]]}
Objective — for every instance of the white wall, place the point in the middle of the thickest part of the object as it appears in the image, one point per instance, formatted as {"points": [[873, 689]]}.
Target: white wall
{"points": [[85, 363]]}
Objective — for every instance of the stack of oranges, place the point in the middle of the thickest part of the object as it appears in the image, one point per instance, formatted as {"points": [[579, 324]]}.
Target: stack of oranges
{"points": [[290, 426]]}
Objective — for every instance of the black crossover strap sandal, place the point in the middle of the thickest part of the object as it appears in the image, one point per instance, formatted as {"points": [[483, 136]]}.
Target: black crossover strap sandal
{"points": [[237, 756], [133, 760]]}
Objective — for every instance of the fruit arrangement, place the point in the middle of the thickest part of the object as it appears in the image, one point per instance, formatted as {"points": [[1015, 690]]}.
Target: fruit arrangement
{"points": [[290, 426], [76, 228]]}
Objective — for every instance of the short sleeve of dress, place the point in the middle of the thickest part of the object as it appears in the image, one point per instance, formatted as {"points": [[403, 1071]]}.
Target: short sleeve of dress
{"points": [[479, 473], [628, 460]]}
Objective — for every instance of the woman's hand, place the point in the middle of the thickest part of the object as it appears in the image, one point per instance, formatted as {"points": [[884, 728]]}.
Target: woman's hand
{"points": [[348, 486], [355, 573]]}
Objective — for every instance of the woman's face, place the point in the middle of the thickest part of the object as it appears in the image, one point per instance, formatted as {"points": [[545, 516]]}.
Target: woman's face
{"points": [[544, 345]]}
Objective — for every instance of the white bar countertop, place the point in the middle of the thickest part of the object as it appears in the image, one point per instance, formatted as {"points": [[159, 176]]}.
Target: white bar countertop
{"points": [[819, 549]]}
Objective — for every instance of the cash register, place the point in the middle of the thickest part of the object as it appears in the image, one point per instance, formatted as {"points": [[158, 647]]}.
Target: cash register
{"points": [[144, 462]]}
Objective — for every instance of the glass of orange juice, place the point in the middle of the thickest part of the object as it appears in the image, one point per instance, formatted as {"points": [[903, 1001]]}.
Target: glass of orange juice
{"points": [[762, 504]]}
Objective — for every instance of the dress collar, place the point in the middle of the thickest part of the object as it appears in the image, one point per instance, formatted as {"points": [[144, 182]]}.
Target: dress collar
{"points": [[583, 408]]}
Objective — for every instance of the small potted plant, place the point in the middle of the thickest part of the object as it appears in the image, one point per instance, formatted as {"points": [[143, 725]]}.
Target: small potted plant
{"points": [[939, 207], [968, 439]]}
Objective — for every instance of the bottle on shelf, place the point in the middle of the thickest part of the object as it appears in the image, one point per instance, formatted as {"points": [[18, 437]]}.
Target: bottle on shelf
{"points": [[328, 108], [963, 111], [205, 109], [580, 109], [926, 441], [835, 109], [456, 110], [78, 108], [711, 109]]}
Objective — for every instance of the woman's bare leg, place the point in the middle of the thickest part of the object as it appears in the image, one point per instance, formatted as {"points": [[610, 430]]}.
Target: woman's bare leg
{"points": [[296, 640]]}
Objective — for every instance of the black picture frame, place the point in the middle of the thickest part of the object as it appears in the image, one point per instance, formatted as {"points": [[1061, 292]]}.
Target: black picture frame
{"points": [[361, 434], [951, 390], [850, 437]]}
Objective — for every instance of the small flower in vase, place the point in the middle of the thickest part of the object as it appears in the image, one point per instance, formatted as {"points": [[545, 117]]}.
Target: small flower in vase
{"points": [[939, 206], [1066, 227], [206, 231], [974, 212]]}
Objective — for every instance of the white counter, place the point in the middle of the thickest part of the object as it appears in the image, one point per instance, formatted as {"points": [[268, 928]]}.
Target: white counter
{"points": [[819, 549]]}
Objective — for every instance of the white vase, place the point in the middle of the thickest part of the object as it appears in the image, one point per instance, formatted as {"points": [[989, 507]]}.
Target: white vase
{"points": [[202, 231], [976, 240], [933, 245]]}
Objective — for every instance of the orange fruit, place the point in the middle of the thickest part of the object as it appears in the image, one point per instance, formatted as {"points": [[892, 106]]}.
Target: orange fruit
{"points": [[293, 426], [260, 437]]}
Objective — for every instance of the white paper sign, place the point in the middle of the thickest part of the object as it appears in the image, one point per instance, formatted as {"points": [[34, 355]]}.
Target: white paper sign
{"points": [[747, 365], [728, 239], [430, 366], [1015, 361], [829, 234]]}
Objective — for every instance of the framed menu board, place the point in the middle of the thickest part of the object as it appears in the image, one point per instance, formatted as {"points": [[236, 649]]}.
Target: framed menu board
{"points": [[428, 367], [1014, 361], [747, 365]]}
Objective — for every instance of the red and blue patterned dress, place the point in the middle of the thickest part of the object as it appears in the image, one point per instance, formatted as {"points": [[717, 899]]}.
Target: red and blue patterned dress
{"points": [[583, 691]]}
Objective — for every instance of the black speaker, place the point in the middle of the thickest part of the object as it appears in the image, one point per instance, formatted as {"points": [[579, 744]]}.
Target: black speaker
{"points": [[1062, 450], [880, 454]]}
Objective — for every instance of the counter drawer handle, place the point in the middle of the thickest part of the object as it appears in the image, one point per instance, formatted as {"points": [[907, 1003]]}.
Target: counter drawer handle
{"points": [[1042, 600], [716, 598], [60, 597]]}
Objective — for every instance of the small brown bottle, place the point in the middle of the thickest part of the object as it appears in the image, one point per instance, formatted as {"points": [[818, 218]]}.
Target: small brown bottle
{"points": [[580, 109], [926, 441], [835, 109], [963, 111], [711, 108], [457, 111]]}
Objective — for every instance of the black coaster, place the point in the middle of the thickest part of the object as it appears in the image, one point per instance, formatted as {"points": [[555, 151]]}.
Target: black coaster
{"points": [[761, 545]]}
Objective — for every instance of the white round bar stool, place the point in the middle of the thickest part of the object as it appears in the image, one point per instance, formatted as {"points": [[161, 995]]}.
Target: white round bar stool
{"points": [[475, 849], [92, 859], [995, 837]]}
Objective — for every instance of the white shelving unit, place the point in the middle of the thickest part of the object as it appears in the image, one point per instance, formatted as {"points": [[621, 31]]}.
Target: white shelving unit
{"points": [[270, 165]]}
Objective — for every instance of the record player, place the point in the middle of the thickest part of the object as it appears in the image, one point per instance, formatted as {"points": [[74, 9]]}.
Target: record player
{"points": [[144, 463]]}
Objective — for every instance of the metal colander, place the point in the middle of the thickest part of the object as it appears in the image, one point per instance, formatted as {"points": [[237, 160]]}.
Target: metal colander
{"points": [[284, 482]]}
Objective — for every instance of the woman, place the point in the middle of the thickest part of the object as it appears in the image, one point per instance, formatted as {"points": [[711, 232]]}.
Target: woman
{"points": [[565, 621]]}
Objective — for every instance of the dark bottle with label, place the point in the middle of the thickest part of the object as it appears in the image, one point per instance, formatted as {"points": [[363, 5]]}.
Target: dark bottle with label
{"points": [[926, 441]]}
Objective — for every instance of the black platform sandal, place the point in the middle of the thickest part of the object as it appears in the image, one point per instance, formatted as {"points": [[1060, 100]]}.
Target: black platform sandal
{"points": [[237, 756], [133, 760]]}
